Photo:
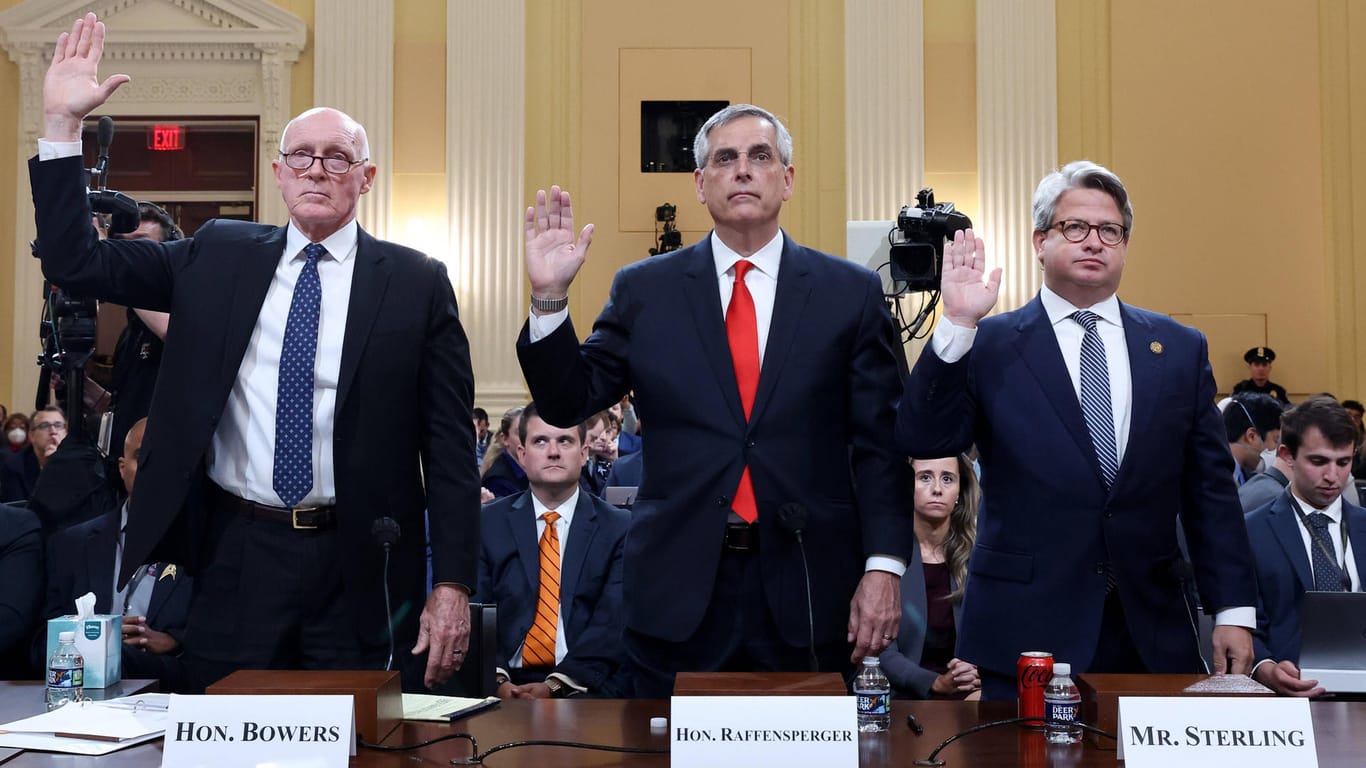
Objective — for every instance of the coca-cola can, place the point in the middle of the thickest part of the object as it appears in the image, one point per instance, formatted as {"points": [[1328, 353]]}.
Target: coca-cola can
{"points": [[1035, 669]]}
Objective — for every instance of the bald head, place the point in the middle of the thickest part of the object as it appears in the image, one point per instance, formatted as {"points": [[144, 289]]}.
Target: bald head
{"points": [[128, 462], [349, 123]]}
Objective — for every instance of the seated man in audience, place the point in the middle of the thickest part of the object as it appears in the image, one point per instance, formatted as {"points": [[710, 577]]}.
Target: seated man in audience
{"points": [[1308, 539], [1253, 425], [482, 435], [551, 559], [155, 604], [601, 436], [1259, 360], [46, 431]]}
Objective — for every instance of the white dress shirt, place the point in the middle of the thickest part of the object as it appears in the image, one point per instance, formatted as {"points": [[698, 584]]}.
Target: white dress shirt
{"points": [[242, 453], [951, 343], [762, 282]]}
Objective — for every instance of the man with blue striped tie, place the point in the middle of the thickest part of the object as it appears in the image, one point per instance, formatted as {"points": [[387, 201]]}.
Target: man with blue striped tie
{"points": [[1077, 554]]}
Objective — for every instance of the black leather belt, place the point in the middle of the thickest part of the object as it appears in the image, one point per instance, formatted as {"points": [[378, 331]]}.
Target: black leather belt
{"points": [[741, 537], [298, 518]]}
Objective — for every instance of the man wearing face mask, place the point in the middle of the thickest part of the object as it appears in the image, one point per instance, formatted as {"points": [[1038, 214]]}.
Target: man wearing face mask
{"points": [[1253, 425]]}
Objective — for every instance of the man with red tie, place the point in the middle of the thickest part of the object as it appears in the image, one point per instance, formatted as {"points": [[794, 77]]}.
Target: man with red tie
{"points": [[760, 365]]}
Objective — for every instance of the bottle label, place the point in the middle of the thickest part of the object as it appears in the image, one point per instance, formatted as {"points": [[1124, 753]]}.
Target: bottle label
{"points": [[65, 678], [874, 703], [1062, 711]]}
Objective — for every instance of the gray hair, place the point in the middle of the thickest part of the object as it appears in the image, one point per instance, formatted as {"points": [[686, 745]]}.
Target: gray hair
{"points": [[1079, 174], [701, 148], [347, 120]]}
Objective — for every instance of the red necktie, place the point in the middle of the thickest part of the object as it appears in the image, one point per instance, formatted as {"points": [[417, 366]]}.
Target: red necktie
{"points": [[742, 331]]}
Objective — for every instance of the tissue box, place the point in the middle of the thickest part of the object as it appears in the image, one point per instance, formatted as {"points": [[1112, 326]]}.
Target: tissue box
{"points": [[99, 639]]}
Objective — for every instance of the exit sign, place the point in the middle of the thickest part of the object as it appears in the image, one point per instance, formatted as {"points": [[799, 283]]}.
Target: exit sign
{"points": [[166, 138]]}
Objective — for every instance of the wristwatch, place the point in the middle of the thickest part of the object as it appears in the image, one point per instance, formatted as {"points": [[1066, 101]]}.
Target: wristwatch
{"points": [[558, 690], [549, 305]]}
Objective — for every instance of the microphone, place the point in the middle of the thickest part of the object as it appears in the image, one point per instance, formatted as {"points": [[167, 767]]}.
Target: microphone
{"points": [[1183, 574], [105, 134], [387, 531], [792, 517], [123, 208]]}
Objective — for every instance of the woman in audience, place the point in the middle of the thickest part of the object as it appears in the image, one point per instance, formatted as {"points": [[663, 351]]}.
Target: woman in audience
{"points": [[920, 664], [16, 432], [500, 473]]}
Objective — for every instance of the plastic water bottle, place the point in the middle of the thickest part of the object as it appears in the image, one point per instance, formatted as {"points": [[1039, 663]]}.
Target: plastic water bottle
{"points": [[65, 672], [874, 694], [1062, 703]]}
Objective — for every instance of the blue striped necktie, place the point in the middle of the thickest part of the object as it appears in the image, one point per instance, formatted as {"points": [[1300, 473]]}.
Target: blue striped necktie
{"points": [[1095, 396], [293, 471]]}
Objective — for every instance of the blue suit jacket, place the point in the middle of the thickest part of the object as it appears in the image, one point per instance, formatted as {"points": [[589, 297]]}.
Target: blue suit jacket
{"points": [[826, 396], [626, 471], [627, 443], [590, 584], [1284, 573], [1048, 528], [901, 660]]}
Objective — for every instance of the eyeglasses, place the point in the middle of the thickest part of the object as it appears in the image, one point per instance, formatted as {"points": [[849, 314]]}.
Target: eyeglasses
{"points": [[55, 426], [1075, 231], [334, 164], [762, 158]]}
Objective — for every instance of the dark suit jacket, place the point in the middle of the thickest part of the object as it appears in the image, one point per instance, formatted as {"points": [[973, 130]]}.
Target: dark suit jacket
{"points": [[18, 475], [1284, 573], [1048, 529], [626, 471], [825, 398], [590, 584], [21, 589], [901, 660], [403, 434], [627, 443]]}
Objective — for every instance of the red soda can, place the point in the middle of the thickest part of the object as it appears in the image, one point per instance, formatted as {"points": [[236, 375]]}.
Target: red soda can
{"points": [[1034, 670]]}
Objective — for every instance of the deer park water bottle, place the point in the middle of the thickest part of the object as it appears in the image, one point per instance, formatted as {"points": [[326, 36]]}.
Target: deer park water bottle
{"points": [[1062, 707], [65, 672], [874, 694]]}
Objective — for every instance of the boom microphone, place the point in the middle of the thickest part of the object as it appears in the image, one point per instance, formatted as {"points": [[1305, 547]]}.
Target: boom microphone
{"points": [[792, 517], [123, 209], [1183, 574], [105, 135], [387, 531]]}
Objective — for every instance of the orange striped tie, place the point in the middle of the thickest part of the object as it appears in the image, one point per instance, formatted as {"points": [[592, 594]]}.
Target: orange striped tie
{"points": [[539, 648]]}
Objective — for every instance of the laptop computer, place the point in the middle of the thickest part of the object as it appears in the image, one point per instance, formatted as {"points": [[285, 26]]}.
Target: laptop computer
{"points": [[1333, 640], [620, 495]]}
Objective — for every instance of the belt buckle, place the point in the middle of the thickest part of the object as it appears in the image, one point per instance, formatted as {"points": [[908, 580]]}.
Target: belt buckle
{"points": [[294, 518]]}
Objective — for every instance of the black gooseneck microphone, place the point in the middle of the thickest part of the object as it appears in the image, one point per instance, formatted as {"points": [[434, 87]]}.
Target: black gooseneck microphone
{"points": [[105, 134], [1183, 574], [387, 531], [792, 517]]}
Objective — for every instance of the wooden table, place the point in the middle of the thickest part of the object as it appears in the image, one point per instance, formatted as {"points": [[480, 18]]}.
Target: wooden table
{"points": [[1339, 729]]}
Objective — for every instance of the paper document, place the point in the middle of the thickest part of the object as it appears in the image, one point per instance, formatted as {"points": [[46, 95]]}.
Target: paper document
{"points": [[91, 727], [442, 709]]}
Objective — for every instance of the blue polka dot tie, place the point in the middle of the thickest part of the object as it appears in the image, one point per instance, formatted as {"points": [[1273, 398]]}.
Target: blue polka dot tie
{"points": [[1328, 575], [293, 477]]}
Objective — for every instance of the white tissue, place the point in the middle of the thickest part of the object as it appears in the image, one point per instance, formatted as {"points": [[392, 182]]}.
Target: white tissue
{"points": [[85, 606]]}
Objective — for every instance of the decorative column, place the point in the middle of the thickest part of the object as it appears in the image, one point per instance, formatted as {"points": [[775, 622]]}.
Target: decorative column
{"points": [[884, 105], [1017, 133], [353, 70], [486, 88]]}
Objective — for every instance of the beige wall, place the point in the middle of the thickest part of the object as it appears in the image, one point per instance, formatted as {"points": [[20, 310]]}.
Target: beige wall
{"points": [[591, 63], [1215, 114], [9, 168]]}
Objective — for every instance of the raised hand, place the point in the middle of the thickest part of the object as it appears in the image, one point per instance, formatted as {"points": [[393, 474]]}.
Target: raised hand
{"points": [[72, 87], [968, 292], [552, 255]]}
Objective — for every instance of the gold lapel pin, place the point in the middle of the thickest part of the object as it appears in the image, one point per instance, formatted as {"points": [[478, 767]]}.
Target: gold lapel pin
{"points": [[1156, 347], [169, 570]]}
